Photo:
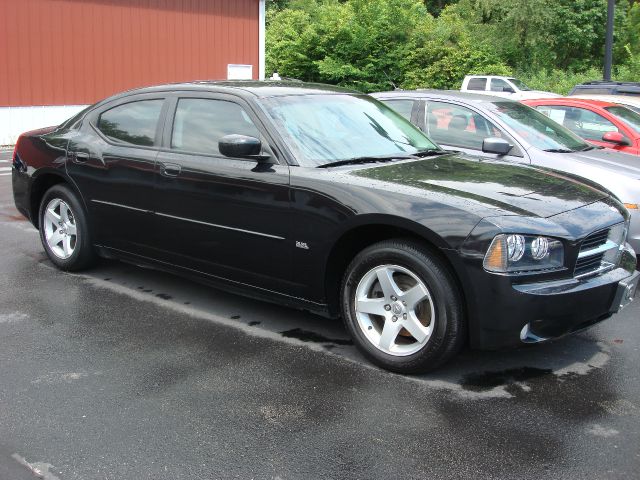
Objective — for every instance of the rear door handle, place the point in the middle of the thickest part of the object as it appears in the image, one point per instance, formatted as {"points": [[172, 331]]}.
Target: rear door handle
{"points": [[170, 169], [79, 157]]}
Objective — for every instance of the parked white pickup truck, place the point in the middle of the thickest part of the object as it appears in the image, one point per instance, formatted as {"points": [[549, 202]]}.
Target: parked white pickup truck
{"points": [[507, 87]]}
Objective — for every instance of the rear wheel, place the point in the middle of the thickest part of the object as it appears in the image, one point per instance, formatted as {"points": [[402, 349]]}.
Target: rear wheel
{"points": [[402, 307], [64, 229]]}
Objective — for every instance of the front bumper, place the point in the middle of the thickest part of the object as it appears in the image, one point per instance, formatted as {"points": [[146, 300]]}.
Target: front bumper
{"points": [[509, 313]]}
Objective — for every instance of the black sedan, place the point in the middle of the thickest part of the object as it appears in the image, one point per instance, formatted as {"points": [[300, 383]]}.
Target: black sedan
{"points": [[327, 200]]}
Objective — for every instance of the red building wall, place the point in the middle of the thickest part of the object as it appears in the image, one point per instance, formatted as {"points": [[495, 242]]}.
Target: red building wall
{"points": [[71, 52]]}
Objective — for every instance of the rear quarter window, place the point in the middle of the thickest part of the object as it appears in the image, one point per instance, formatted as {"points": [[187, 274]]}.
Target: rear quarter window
{"points": [[133, 123]]}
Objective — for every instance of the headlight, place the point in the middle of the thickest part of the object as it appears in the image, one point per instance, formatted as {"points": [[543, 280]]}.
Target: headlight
{"points": [[523, 253]]}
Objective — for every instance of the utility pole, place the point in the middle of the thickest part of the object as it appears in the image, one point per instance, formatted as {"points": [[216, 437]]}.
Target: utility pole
{"points": [[608, 43]]}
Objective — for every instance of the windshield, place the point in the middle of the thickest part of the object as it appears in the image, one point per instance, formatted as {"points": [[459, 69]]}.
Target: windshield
{"points": [[322, 129], [627, 115], [519, 83], [538, 129]]}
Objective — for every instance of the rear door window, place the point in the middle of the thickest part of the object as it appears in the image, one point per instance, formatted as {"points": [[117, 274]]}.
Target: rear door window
{"points": [[404, 107], [134, 123], [477, 84], [200, 123]]}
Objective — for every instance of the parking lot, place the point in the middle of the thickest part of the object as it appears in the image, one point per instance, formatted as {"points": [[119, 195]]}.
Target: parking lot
{"points": [[123, 372]]}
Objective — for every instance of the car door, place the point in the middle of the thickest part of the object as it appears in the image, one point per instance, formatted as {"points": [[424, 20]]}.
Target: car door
{"points": [[112, 161], [457, 127], [224, 217]]}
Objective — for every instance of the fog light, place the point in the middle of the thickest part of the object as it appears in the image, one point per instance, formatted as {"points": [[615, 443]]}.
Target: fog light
{"points": [[515, 247], [540, 248]]}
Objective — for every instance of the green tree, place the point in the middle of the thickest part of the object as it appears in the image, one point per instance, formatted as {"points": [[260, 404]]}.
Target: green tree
{"points": [[359, 43], [444, 50], [374, 44]]}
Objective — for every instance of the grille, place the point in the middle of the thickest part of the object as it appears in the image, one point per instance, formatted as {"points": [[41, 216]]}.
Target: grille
{"points": [[588, 264], [591, 263], [595, 240]]}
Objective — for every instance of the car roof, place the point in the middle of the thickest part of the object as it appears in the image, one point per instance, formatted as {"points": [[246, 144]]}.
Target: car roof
{"points": [[258, 88], [632, 88], [441, 94], [570, 101], [490, 76], [631, 100], [608, 82]]}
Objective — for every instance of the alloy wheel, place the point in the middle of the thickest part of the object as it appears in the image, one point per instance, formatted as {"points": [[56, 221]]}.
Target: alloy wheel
{"points": [[60, 228], [394, 310]]}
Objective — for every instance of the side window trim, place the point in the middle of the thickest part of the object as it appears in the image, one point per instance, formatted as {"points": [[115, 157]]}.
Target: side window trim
{"points": [[92, 120], [169, 123]]}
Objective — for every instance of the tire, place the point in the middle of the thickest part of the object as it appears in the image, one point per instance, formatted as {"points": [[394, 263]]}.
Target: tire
{"points": [[68, 245], [430, 327]]}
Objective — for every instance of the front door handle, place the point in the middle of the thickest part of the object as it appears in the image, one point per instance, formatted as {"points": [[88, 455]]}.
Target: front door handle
{"points": [[170, 169]]}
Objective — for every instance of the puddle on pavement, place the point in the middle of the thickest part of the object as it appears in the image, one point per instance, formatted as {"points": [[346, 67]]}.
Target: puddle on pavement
{"points": [[13, 218], [488, 380]]}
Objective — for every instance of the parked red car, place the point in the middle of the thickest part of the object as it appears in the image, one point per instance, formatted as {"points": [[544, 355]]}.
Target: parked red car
{"points": [[602, 123]]}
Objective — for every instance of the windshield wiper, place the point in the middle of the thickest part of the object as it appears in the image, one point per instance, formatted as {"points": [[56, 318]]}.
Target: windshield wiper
{"points": [[366, 159], [429, 153], [559, 150], [586, 148], [383, 158]]}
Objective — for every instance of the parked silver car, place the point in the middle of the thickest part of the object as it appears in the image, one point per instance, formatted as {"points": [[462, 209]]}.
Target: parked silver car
{"points": [[498, 128]]}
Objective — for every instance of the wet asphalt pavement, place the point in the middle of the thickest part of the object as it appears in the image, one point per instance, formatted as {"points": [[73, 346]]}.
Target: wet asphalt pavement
{"points": [[126, 373]]}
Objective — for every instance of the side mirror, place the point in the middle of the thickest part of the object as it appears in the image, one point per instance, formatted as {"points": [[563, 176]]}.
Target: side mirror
{"points": [[242, 146], [496, 145], [616, 137], [508, 90]]}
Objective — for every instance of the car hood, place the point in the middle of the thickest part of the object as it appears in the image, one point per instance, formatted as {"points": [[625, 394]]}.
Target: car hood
{"points": [[516, 189], [623, 163]]}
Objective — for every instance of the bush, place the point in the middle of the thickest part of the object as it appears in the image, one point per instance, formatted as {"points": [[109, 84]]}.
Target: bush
{"points": [[443, 51], [558, 81]]}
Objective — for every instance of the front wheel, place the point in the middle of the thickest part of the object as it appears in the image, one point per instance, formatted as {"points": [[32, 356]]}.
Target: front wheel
{"points": [[64, 229], [403, 307]]}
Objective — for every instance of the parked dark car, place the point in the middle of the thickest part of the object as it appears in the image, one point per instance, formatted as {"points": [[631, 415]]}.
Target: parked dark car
{"points": [[604, 87], [327, 200]]}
